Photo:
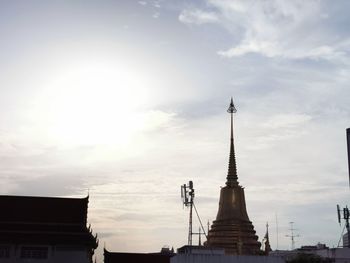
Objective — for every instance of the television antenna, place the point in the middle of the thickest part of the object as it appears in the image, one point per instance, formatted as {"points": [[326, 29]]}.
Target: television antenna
{"points": [[187, 196], [292, 235]]}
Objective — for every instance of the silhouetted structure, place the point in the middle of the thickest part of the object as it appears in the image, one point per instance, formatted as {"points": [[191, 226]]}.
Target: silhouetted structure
{"points": [[232, 229], [117, 257], [267, 247], [45, 228]]}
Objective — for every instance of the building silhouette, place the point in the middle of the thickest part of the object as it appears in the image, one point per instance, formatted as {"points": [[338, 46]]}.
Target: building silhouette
{"points": [[45, 229]]}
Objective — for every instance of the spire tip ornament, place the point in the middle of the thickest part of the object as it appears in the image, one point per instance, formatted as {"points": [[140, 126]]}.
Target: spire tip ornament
{"points": [[231, 108]]}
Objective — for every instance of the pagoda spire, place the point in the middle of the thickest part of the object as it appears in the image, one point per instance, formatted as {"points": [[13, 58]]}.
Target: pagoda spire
{"points": [[232, 168], [267, 240], [232, 229]]}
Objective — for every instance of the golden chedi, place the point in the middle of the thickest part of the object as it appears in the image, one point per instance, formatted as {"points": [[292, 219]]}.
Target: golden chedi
{"points": [[232, 229]]}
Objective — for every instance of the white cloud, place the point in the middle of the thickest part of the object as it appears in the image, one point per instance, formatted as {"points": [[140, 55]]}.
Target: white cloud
{"points": [[197, 17], [287, 29], [156, 15], [269, 49], [156, 3], [283, 121], [274, 49]]}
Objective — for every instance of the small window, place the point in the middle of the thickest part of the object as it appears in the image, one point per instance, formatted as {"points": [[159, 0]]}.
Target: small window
{"points": [[34, 252], [4, 251]]}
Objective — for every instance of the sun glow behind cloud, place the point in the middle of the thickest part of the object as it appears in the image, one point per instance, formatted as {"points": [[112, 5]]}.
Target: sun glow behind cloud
{"points": [[97, 104]]}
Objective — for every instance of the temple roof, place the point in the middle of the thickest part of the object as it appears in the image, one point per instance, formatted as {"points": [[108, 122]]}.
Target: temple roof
{"points": [[53, 220], [32, 209]]}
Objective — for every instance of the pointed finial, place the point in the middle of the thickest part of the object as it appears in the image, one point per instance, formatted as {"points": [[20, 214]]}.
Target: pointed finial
{"points": [[231, 108], [267, 230]]}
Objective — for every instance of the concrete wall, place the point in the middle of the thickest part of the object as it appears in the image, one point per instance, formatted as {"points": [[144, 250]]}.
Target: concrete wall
{"points": [[201, 258]]}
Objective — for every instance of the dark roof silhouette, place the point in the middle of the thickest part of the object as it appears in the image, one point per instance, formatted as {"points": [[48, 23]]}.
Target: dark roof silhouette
{"points": [[43, 209], [28, 219], [114, 257]]}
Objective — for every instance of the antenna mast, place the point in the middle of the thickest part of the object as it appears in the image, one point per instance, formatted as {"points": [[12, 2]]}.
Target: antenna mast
{"points": [[276, 232], [346, 217], [292, 235], [187, 195], [346, 213]]}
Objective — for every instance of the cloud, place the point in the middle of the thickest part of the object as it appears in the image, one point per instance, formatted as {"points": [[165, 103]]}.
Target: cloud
{"points": [[197, 17], [142, 3], [286, 29], [273, 49], [156, 15], [279, 128], [286, 121]]}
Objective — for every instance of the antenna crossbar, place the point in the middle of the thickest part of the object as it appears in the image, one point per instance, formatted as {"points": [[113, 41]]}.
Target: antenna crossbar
{"points": [[292, 235]]}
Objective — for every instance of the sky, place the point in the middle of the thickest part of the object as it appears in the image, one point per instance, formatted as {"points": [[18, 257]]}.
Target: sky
{"points": [[126, 101]]}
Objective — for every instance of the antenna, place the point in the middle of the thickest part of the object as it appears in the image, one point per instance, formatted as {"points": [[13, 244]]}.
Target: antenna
{"points": [[346, 217], [346, 209], [276, 232], [187, 195], [339, 218], [292, 235]]}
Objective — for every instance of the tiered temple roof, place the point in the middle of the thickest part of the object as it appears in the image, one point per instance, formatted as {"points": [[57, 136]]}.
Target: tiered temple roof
{"points": [[45, 220]]}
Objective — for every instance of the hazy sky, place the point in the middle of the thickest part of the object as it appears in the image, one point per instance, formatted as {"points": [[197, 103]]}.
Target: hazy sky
{"points": [[128, 99]]}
